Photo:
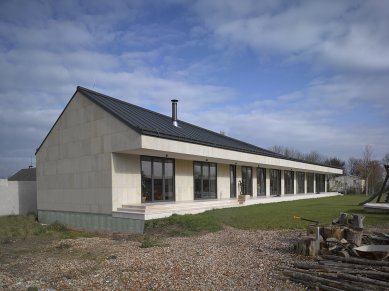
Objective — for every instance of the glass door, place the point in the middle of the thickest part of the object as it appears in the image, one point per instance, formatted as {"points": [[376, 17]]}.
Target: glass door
{"points": [[247, 185]]}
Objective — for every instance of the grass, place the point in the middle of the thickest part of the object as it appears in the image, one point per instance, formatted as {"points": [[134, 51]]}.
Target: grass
{"points": [[22, 227], [262, 216], [273, 216]]}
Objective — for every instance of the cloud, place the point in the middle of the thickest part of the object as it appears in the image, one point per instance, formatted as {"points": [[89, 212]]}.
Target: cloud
{"points": [[139, 52], [346, 34]]}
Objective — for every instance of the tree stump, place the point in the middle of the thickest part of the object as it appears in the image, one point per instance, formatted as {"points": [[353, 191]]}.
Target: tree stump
{"points": [[356, 221], [334, 231], [307, 246], [312, 230], [342, 219], [354, 236]]}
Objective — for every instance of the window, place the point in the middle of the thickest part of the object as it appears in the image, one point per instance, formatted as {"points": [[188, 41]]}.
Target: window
{"points": [[310, 183], [204, 175], [300, 179], [247, 184], [232, 181], [320, 183], [261, 181], [157, 179], [275, 182], [289, 182]]}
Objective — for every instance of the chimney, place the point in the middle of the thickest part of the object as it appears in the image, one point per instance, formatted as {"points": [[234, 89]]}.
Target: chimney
{"points": [[174, 112]]}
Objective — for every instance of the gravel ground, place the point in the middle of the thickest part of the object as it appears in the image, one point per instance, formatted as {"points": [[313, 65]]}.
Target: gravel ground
{"points": [[231, 259]]}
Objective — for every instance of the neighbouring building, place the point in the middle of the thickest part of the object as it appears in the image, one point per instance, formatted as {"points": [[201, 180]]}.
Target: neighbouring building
{"points": [[109, 165], [18, 193], [347, 184]]}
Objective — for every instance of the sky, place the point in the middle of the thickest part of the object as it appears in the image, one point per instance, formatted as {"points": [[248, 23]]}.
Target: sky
{"points": [[311, 75]]}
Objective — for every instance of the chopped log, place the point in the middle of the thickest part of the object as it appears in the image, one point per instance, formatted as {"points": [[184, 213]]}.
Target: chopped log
{"points": [[327, 288], [354, 266], [354, 236], [342, 219], [307, 246], [356, 221], [317, 279], [312, 230], [357, 261], [343, 253], [363, 280], [334, 231]]}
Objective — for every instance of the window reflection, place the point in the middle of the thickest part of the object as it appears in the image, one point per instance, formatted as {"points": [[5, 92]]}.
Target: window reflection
{"points": [[157, 179], [205, 179]]}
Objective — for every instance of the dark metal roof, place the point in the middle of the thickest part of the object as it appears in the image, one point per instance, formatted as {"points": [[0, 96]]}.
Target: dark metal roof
{"points": [[151, 123], [24, 175]]}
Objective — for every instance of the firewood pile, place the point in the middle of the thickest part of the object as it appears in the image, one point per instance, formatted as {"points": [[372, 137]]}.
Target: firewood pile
{"points": [[346, 258], [338, 273]]}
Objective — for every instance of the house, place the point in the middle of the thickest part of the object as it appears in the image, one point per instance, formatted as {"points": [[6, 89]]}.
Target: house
{"points": [[18, 193], [109, 165], [347, 184]]}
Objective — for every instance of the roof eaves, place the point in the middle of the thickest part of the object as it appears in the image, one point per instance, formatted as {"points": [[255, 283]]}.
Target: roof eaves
{"points": [[193, 141]]}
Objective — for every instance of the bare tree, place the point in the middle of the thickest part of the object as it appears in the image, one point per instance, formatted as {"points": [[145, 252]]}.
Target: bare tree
{"points": [[366, 165], [385, 159], [353, 166], [314, 157]]}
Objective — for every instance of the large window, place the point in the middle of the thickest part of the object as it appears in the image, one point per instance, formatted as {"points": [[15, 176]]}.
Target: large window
{"points": [[310, 178], [157, 179], [247, 178], [275, 182], [320, 183], [232, 181], [300, 179], [289, 182], [261, 181], [204, 180]]}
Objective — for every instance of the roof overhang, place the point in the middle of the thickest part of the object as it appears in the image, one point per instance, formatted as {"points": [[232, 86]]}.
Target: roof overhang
{"points": [[155, 146]]}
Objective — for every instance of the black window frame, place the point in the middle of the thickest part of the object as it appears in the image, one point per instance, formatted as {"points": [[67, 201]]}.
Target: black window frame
{"points": [[244, 189], [310, 182], [300, 180], [261, 189], [152, 158], [288, 182], [203, 194], [233, 181], [275, 191], [320, 182]]}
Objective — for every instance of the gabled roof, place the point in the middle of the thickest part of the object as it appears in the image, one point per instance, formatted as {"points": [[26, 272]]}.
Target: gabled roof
{"points": [[151, 123], [147, 122], [24, 175]]}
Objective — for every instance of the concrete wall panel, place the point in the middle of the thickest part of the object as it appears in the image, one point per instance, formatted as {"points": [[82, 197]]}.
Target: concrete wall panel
{"points": [[223, 181], [184, 180], [74, 163]]}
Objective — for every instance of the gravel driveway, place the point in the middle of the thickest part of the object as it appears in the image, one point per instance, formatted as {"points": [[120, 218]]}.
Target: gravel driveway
{"points": [[231, 259]]}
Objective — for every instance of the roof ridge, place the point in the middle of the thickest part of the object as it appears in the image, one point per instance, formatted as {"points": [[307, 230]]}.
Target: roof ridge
{"points": [[121, 101]]}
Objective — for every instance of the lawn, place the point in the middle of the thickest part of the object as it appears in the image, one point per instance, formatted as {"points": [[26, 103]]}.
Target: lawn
{"points": [[267, 216], [272, 216]]}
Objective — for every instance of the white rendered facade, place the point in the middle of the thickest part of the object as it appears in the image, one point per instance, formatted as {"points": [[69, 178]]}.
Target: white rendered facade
{"points": [[90, 163]]}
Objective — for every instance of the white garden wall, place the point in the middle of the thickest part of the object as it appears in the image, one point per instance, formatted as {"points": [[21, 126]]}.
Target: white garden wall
{"points": [[17, 197]]}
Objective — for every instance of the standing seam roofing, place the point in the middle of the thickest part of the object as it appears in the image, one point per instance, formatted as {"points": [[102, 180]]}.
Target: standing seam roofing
{"points": [[151, 123]]}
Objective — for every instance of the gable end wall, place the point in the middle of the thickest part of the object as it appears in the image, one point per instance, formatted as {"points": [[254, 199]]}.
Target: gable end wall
{"points": [[74, 164]]}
